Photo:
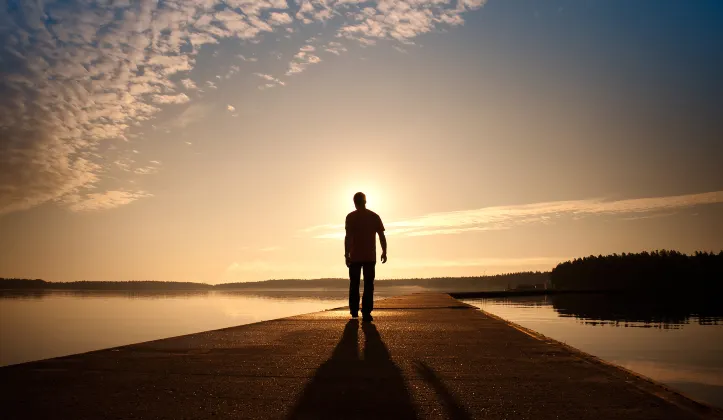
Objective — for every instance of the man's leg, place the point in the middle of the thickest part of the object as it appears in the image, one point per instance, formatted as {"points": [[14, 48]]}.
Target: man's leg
{"points": [[354, 277], [368, 298]]}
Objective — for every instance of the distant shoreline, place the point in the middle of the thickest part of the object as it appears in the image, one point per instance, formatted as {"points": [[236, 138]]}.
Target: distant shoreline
{"points": [[466, 284], [657, 272], [512, 293]]}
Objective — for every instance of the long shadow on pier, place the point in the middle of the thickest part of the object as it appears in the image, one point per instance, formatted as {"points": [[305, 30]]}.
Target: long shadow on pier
{"points": [[453, 409], [350, 386]]}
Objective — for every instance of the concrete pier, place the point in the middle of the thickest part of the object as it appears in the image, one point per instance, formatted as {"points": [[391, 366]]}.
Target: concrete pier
{"points": [[424, 356]]}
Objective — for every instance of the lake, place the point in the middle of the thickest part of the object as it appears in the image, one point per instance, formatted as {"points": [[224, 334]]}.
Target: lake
{"points": [[678, 343], [41, 324]]}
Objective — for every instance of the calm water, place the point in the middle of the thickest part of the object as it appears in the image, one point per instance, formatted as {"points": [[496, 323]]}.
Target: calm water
{"points": [[40, 325], [679, 343], [37, 325], [676, 343]]}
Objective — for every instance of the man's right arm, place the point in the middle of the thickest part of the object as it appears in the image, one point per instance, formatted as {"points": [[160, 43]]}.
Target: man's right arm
{"points": [[347, 242]]}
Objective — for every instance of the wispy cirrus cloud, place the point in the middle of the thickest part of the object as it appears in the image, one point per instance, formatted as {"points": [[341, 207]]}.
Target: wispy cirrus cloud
{"points": [[103, 201], [267, 268], [506, 217], [478, 262], [269, 81], [82, 72]]}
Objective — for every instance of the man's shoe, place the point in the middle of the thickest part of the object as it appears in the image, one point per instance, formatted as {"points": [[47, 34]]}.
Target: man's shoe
{"points": [[354, 315], [367, 318]]}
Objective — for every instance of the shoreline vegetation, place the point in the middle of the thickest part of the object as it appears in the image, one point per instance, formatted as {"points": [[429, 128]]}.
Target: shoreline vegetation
{"points": [[656, 272], [496, 282]]}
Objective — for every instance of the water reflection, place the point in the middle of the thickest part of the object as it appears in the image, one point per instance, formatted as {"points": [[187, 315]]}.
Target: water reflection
{"points": [[629, 311], [288, 294], [625, 310], [130, 294], [38, 324], [678, 341]]}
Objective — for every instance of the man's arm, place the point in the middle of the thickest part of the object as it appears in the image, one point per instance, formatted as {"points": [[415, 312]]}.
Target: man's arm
{"points": [[347, 242], [383, 241]]}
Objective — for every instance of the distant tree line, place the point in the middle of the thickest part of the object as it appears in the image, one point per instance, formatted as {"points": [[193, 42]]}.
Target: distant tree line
{"points": [[477, 284], [658, 271], [37, 284], [446, 284]]}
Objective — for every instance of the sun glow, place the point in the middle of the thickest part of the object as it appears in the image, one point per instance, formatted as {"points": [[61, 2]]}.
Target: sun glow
{"points": [[377, 201]]}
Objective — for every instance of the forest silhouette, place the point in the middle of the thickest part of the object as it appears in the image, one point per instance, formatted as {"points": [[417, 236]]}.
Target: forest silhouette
{"points": [[661, 271], [658, 271], [496, 282]]}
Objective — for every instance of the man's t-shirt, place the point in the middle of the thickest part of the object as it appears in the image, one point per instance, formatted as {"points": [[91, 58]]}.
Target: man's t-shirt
{"points": [[362, 227]]}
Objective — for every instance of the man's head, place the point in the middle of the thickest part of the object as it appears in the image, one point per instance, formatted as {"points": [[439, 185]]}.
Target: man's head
{"points": [[360, 200]]}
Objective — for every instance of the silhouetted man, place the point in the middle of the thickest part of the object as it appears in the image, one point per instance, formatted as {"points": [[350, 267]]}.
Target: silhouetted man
{"points": [[360, 252]]}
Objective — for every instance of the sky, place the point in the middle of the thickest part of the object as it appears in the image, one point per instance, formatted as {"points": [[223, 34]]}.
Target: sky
{"points": [[222, 141]]}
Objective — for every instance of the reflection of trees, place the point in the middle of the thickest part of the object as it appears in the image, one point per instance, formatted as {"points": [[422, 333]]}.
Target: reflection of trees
{"points": [[654, 272], [524, 301], [639, 308]]}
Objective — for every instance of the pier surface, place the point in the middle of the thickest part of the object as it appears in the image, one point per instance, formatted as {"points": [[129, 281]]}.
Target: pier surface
{"points": [[424, 356]]}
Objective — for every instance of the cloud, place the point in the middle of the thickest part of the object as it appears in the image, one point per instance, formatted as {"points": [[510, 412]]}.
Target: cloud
{"points": [[506, 217], [231, 71], [277, 19], [102, 201], [189, 84], [124, 164], [335, 48], [193, 113], [269, 266], [478, 262], [271, 81], [148, 170], [171, 99], [301, 61], [68, 85], [255, 266], [78, 73]]}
